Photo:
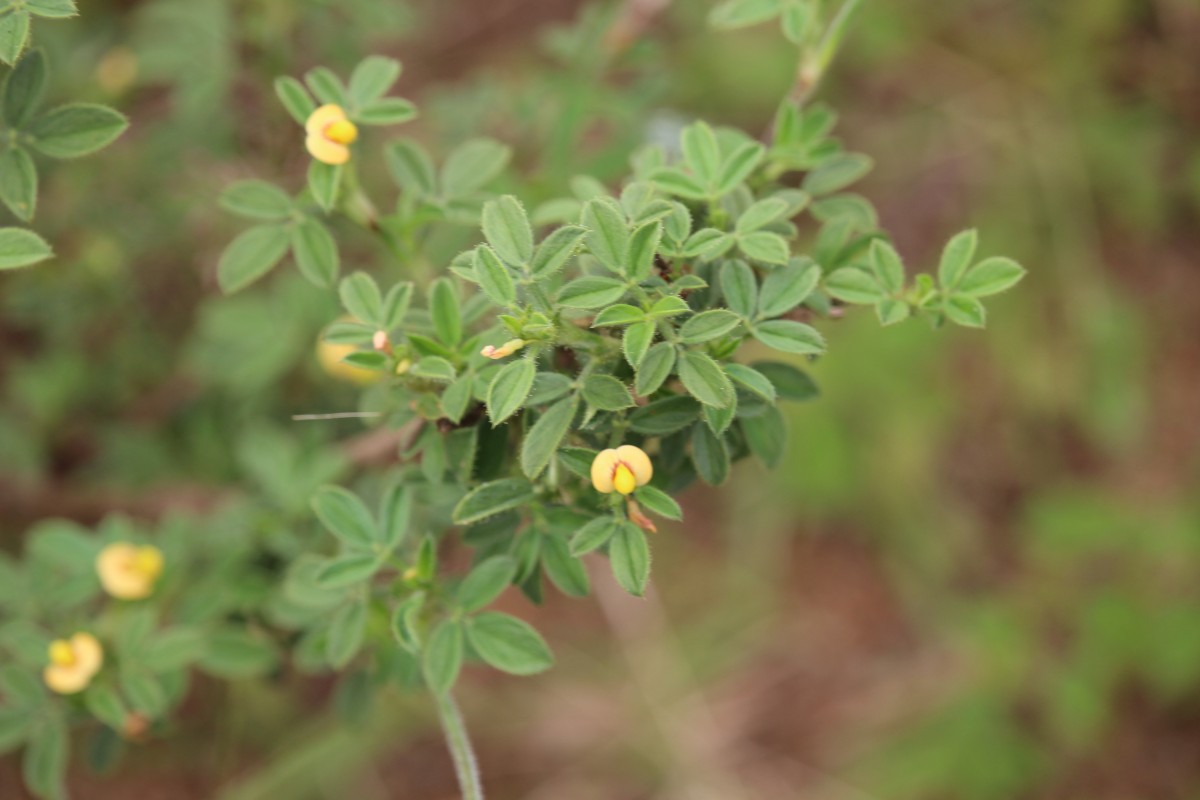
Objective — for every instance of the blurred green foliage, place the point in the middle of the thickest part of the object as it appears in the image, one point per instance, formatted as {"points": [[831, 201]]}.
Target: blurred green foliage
{"points": [[1029, 492]]}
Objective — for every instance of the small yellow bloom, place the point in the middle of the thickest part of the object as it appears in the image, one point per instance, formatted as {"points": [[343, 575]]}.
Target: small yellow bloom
{"points": [[623, 469], [73, 663], [129, 572], [503, 351], [329, 133]]}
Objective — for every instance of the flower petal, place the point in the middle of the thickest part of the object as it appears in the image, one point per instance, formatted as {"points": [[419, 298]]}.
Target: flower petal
{"points": [[603, 467], [637, 461], [326, 151], [323, 116]]}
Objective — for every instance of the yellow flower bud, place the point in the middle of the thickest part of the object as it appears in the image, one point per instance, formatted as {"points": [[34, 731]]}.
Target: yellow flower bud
{"points": [[73, 663], [622, 469], [503, 351], [129, 572], [328, 132]]}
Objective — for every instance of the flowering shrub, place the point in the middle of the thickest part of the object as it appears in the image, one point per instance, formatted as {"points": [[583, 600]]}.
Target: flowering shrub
{"points": [[553, 387]]}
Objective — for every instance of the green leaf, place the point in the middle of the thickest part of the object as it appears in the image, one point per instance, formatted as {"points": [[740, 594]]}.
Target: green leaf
{"points": [[345, 516], [887, 266], [679, 183], [797, 21], [506, 228], [790, 337], [701, 152], [769, 248], [853, 285], [18, 182], [591, 292], [235, 653], [443, 656], [671, 304], [739, 165], [295, 98], [494, 277], [659, 502], [740, 287], [445, 311], [326, 86], [405, 622], [347, 570], [394, 514], [991, 276], [636, 341], [387, 111], [708, 243], [577, 460], [655, 369], [956, 257], [395, 305], [174, 648], [324, 182], [752, 380], [836, 173], [347, 630], [760, 215], [593, 535], [708, 325], [543, 439], [251, 255], [256, 200], [456, 397], [361, 298], [485, 582], [547, 387], [643, 246], [15, 726], [606, 393], [44, 765], [105, 705], [14, 35], [704, 379], [608, 234], [509, 389], [434, 368], [509, 644], [52, 9], [491, 499], [144, 691], [23, 89], [620, 314], [787, 287], [563, 569], [742, 13], [790, 382], [966, 311], [766, 436], [629, 557], [315, 252], [411, 167], [890, 311], [372, 79], [709, 455], [555, 250], [665, 416], [75, 130], [472, 165]]}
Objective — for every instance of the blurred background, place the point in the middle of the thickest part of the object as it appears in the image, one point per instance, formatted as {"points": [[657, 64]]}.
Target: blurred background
{"points": [[975, 577]]}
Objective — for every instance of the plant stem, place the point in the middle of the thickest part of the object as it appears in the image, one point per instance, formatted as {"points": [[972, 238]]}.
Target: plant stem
{"points": [[459, 744]]}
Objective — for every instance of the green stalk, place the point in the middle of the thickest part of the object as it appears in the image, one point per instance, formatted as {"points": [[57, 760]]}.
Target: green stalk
{"points": [[459, 744]]}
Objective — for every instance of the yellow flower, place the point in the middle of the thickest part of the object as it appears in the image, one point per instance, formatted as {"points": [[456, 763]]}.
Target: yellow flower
{"points": [[328, 134], [503, 351], [623, 469], [73, 663], [129, 572]]}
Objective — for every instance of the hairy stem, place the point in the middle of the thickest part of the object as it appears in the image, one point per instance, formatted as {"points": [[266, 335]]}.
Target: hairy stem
{"points": [[459, 744]]}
